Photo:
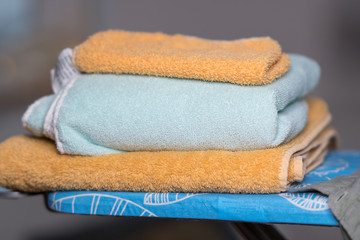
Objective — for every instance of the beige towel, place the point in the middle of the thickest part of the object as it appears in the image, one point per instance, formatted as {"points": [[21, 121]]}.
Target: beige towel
{"points": [[253, 61]]}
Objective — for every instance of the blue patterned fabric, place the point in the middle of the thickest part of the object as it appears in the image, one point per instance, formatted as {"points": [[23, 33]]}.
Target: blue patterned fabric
{"points": [[289, 207]]}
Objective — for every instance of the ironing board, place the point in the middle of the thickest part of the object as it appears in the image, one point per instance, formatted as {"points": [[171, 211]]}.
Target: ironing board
{"points": [[289, 207]]}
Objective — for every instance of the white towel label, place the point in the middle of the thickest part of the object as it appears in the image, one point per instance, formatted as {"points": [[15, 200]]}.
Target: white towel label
{"points": [[64, 70]]}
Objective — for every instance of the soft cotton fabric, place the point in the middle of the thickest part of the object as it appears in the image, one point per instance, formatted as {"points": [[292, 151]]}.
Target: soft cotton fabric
{"points": [[34, 165], [344, 200], [253, 61], [101, 114]]}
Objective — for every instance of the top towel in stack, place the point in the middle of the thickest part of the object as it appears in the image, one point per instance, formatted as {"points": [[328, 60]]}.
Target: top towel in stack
{"points": [[95, 114], [252, 61]]}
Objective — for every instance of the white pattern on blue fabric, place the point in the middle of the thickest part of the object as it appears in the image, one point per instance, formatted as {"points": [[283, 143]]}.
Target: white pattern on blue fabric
{"points": [[295, 185], [166, 198], [306, 201], [118, 207], [330, 168]]}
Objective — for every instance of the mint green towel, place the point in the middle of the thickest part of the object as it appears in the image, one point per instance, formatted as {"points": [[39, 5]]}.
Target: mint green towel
{"points": [[103, 113]]}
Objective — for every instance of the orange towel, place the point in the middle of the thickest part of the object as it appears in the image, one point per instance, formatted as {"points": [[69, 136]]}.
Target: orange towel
{"points": [[253, 61], [34, 165]]}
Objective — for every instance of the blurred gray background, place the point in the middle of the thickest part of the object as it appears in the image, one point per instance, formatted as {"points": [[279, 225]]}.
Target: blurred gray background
{"points": [[33, 32]]}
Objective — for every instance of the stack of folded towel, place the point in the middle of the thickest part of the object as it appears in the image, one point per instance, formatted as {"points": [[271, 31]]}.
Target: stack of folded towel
{"points": [[153, 112]]}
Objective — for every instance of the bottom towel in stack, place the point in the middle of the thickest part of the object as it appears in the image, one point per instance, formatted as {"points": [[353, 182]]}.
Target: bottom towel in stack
{"points": [[34, 165]]}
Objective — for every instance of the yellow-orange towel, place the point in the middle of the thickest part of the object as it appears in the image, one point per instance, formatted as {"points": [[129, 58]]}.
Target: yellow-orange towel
{"points": [[252, 61], [34, 165]]}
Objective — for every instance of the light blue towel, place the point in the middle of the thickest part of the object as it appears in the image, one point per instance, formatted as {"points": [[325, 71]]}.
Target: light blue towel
{"points": [[103, 113]]}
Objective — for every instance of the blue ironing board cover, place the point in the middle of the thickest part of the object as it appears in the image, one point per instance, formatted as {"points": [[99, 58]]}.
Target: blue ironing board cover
{"points": [[297, 208]]}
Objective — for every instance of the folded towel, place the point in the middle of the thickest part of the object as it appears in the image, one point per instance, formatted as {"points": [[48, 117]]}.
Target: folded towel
{"points": [[253, 61], [99, 114], [34, 165]]}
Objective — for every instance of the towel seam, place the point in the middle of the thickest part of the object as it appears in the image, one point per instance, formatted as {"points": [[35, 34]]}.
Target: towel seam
{"points": [[298, 167], [74, 56], [29, 111], [283, 174], [48, 122], [60, 144]]}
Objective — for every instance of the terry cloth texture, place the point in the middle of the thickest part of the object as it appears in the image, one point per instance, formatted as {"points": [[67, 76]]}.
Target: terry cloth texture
{"points": [[253, 61], [34, 165], [99, 114], [344, 200]]}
